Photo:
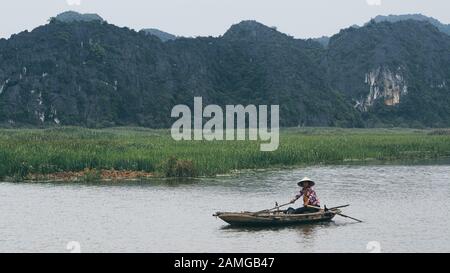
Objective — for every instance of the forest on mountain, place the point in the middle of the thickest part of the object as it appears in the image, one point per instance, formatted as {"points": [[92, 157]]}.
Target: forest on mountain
{"points": [[95, 74]]}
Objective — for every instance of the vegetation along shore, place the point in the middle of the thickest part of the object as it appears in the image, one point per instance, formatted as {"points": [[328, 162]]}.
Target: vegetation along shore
{"points": [[78, 154]]}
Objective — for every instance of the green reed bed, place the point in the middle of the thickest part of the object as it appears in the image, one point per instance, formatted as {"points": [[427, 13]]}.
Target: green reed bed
{"points": [[46, 151]]}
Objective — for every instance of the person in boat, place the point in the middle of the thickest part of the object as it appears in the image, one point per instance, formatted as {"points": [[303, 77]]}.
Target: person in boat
{"points": [[310, 200]]}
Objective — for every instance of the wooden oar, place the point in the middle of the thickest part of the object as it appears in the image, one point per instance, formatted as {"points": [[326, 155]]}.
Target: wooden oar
{"points": [[338, 213], [338, 207], [346, 216], [266, 210]]}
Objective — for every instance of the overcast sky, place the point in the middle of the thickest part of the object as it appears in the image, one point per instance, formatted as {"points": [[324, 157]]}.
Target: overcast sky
{"points": [[299, 18]]}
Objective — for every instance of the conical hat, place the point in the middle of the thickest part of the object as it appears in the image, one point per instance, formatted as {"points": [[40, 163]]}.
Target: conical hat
{"points": [[306, 179]]}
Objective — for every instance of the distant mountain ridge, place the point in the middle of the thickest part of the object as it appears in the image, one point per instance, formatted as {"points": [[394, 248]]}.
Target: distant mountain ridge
{"points": [[73, 16], [418, 17], [91, 73], [164, 36], [324, 40], [445, 28]]}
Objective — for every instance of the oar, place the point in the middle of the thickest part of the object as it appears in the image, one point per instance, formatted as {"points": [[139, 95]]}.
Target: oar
{"points": [[346, 216], [277, 207], [338, 207], [340, 214]]}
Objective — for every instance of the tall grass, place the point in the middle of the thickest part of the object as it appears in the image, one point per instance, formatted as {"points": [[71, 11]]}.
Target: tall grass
{"points": [[47, 151]]}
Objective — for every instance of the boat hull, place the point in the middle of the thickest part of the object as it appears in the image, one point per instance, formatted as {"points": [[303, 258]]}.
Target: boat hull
{"points": [[273, 219]]}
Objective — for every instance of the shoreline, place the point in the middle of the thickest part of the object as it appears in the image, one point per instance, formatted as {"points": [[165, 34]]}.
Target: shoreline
{"points": [[119, 176], [90, 175]]}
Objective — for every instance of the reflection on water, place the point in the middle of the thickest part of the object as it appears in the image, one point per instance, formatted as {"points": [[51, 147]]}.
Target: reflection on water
{"points": [[305, 230], [404, 208]]}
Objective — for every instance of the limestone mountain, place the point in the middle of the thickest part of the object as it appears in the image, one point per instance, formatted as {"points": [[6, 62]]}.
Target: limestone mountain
{"points": [[92, 73], [73, 16], [394, 73], [417, 17]]}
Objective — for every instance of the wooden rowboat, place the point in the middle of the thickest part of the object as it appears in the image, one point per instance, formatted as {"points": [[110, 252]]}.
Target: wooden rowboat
{"points": [[275, 218]]}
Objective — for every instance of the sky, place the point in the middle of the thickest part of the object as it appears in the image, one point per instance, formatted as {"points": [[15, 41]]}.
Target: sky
{"points": [[191, 18]]}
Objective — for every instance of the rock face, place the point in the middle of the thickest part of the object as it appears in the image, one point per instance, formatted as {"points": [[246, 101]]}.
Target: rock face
{"points": [[383, 85], [2, 86]]}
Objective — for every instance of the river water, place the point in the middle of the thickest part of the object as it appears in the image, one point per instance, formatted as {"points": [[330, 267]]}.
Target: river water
{"points": [[404, 208]]}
